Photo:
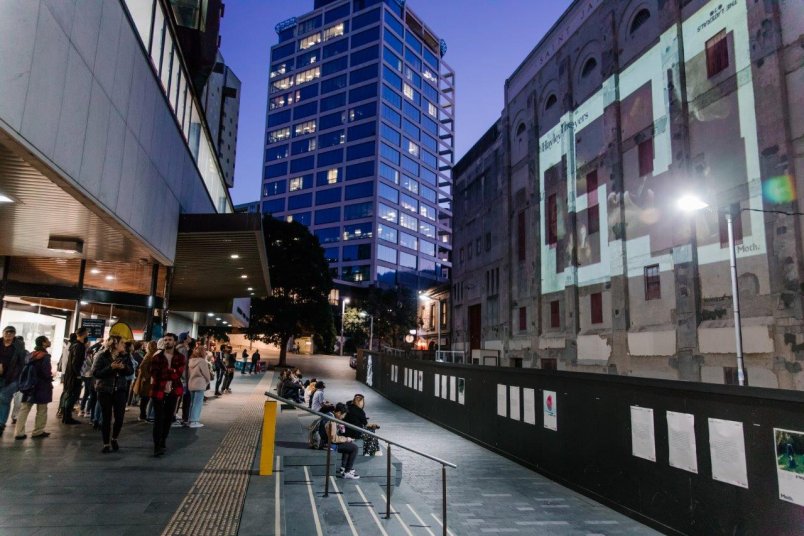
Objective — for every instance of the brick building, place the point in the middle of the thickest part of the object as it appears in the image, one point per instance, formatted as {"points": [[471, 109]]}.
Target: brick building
{"points": [[620, 110]]}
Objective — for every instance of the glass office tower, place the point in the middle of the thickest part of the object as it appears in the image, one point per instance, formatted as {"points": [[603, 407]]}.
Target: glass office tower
{"points": [[359, 140]]}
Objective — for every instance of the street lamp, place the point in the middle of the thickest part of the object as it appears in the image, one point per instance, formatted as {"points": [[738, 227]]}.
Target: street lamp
{"points": [[691, 203], [364, 314], [438, 321], [343, 314]]}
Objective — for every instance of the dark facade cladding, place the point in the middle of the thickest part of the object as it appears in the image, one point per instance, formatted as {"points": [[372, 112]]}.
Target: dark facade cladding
{"points": [[577, 430], [359, 140], [623, 108]]}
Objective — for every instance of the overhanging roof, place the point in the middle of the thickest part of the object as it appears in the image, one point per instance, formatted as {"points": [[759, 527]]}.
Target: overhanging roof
{"points": [[206, 277]]}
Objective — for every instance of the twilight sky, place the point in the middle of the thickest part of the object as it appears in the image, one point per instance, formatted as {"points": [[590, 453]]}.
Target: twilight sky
{"points": [[486, 40]]}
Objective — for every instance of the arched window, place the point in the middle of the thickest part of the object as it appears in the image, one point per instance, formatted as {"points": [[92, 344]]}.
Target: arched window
{"points": [[520, 129], [588, 67], [639, 20], [550, 102]]}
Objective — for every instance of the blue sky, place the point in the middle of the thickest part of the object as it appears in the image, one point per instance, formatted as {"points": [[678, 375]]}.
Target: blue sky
{"points": [[486, 39]]}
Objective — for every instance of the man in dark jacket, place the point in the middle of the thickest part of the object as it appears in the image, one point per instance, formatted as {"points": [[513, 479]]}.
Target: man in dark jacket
{"points": [[72, 376], [12, 359], [41, 394], [255, 359]]}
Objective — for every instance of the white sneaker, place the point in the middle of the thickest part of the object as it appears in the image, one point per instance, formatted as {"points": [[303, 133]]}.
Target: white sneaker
{"points": [[196, 425], [339, 473], [177, 424], [351, 475], [378, 453]]}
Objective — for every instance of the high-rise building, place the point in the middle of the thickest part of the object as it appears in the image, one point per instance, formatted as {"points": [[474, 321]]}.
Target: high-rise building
{"points": [[359, 140], [221, 101]]}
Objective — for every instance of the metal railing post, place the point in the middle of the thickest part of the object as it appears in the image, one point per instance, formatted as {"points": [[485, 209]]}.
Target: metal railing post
{"points": [[444, 497], [329, 457], [388, 483]]}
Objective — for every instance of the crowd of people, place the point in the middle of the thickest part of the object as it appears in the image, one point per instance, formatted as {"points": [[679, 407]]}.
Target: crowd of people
{"points": [[327, 433], [166, 380]]}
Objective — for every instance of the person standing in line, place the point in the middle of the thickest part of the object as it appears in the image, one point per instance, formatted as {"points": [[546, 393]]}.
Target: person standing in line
{"points": [[87, 404], [255, 360], [344, 444], [220, 369], [199, 378], [230, 360], [12, 359], [110, 371], [142, 385], [245, 361], [72, 376], [167, 368], [41, 395]]}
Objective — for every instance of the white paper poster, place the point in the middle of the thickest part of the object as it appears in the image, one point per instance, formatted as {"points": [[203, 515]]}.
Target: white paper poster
{"points": [[461, 390], [437, 385], [453, 389], [369, 372], [529, 405], [444, 379], [414, 376], [681, 441], [421, 380], [514, 402], [550, 408], [502, 400], [727, 448], [643, 442], [789, 450]]}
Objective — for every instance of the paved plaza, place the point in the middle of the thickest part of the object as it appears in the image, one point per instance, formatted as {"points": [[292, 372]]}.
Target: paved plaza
{"points": [[209, 483]]}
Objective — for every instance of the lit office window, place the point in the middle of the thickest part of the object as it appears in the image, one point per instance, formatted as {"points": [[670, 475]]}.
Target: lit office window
{"points": [[408, 91], [432, 109], [427, 230], [308, 127], [279, 135], [310, 41], [427, 211], [408, 222], [333, 31], [296, 184], [308, 75], [282, 84], [332, 176], [278, 69], [387, 213], [411, 148]]}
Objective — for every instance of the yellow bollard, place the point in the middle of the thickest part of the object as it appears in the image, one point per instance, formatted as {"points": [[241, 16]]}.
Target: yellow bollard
{"points": [[268, 437]]}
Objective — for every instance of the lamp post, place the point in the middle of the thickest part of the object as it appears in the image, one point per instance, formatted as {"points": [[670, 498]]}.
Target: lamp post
{"points": [[343, 314], [690, 203], [438, 321], [364, 314]]}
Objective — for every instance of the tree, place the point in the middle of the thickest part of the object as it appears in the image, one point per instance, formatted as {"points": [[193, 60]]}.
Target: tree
{"points": [[394, 312], [300, 282]]}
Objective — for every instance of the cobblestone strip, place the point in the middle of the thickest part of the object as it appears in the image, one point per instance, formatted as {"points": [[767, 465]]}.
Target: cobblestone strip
{"points": [[214, 504]]}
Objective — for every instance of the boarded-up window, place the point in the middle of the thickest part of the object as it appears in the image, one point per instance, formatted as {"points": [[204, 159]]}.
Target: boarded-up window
{"points": [[552, 220], [549, 363], [555, 314], [717, 54], [596, 307], [653, 285], [523, 318], [646, 157]]}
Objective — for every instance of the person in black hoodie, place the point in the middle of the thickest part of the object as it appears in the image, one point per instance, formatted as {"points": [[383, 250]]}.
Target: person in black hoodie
{"points": [[356, 415], [41, 395], [110, 370]]}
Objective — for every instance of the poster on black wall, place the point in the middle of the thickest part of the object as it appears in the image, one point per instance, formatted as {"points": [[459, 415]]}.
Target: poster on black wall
{"points": [[789, 450]]}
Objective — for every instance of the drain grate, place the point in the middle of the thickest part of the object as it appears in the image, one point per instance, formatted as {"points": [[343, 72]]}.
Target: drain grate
{"points": [[214, 504]]}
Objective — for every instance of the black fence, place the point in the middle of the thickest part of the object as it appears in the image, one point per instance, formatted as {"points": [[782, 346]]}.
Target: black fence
{"points": [[590, 450]]}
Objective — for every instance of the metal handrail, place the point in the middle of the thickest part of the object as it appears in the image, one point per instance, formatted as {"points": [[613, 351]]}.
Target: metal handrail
{"points": [[362, 430], [388, 442]]}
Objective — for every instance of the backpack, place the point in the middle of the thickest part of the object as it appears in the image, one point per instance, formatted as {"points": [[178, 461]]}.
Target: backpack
{"points": [[28, 378]]}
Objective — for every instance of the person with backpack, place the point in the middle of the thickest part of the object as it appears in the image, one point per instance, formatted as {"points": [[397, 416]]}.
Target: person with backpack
{"points": [[36, 386], [12, 359], [110, 370]]}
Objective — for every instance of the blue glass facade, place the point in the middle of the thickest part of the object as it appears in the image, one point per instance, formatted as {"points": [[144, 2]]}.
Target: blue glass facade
{"points": [[359, 135]]}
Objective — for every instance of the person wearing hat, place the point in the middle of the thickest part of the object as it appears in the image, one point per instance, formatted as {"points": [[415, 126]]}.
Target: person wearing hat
{"points": [[12, 359], [41, 395]]}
